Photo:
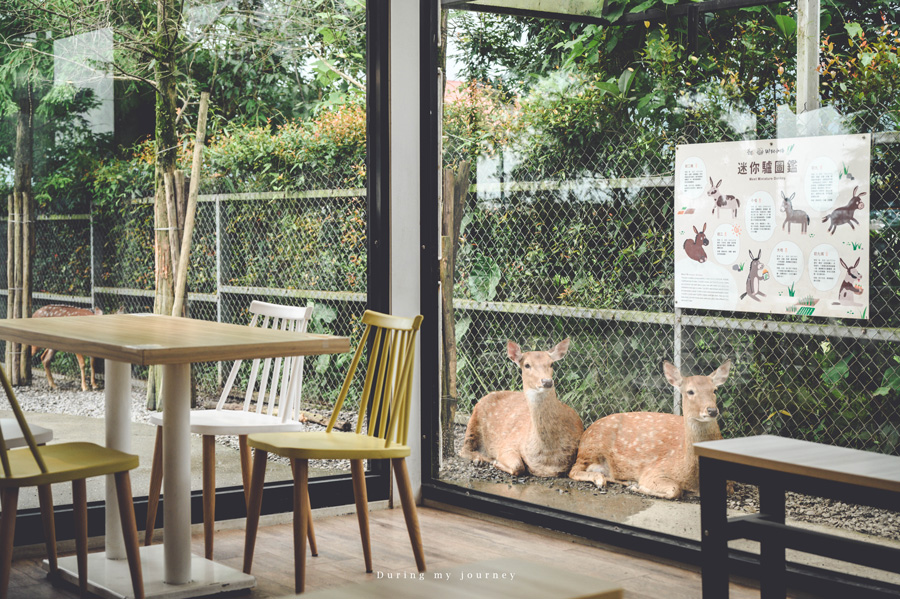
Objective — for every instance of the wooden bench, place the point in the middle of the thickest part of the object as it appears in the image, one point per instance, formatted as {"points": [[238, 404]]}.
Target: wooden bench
{"points": [[492, 579], [776, 465]]}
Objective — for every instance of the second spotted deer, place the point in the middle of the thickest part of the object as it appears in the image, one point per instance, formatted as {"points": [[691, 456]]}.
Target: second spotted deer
{"points": [[654, 451], [528, 430], [55, 310]]}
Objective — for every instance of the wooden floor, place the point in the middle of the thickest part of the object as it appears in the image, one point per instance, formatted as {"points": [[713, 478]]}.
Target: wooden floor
{"points": [[450, 539]]}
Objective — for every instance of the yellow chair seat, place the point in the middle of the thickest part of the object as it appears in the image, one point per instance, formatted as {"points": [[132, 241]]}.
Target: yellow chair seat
{"points": [[65, 462], [327, 446]]}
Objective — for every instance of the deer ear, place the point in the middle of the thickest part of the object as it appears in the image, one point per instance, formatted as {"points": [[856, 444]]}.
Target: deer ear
{"points": [[559, 352], [721, 374], [719, 184], [672, 374], [844, 264], [855, 264], [513, 351]]}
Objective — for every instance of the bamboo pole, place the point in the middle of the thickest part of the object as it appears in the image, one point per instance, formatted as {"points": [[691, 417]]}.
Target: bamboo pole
{"points": [[10, 274], [27, 278], [172, 213], [17, 284], [190, 213]]}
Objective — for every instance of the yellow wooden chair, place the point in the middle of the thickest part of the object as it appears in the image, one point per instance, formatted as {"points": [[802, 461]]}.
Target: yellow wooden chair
{"points": [[41, 466], [385, 399]]}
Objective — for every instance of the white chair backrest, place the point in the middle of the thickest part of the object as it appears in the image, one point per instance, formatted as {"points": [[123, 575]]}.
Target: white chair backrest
{"points": [[280, 381]]}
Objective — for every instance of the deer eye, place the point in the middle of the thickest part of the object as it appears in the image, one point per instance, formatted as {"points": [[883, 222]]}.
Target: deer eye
{"points": [[690, 392], [527, 365]]}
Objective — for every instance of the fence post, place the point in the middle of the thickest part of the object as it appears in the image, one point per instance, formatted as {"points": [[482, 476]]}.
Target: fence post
{"points": [[807, 55], [93, 263], [676, 357], [219, 276]]}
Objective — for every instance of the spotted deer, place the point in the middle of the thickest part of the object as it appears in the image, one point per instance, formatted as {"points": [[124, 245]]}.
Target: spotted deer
{"points": [[54, 310], [652, 450], [528, 430]]}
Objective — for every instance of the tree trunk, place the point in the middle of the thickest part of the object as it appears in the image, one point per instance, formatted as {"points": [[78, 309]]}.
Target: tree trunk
{"points": [[22, 215], [168, 22], [455, 188]]}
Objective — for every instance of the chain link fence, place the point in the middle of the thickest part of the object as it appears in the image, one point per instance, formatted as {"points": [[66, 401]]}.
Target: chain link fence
{"points": [[303, 247], [557, 243]]}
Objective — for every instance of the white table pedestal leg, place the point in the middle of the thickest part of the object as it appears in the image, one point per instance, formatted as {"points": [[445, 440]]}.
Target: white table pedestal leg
{"points": [[117, 395], [170, 571], [176, 391]]}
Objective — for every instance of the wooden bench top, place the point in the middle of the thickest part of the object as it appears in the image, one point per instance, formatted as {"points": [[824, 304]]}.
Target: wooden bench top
{"points": [[491, 579], [780, 454]]}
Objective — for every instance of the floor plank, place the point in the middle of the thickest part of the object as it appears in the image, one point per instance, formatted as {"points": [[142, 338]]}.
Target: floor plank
{"points": [[450, 539]]}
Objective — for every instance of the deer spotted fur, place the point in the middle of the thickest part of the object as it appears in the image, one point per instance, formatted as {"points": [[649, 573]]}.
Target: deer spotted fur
{"points": [[655, 451], [530, 429], [53, 311]]}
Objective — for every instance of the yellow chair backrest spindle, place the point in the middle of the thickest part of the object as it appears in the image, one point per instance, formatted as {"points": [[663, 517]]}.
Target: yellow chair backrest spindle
{"points": [[23, 424], [388, 378]]}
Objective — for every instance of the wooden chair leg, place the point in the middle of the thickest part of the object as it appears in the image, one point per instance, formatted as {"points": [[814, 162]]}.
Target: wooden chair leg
{"points": [[253, 506], [79, 509], [311, 533], [156, 476], [409, 510], [45, 498], [209, 493], [361, 497], [10, 501], [246, 465], [301, 521], [129, 532]]}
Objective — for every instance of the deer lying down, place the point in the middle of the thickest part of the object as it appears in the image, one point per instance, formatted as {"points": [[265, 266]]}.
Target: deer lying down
{"points": [[528, 430], [655, 451]]}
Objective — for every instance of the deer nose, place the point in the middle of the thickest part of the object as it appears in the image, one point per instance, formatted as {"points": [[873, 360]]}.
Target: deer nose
{"points": [[547, 383], [713, 412]]}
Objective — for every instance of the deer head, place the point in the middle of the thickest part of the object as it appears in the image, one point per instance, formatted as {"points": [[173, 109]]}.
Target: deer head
{"points": [[536, 366], [698, 393]]}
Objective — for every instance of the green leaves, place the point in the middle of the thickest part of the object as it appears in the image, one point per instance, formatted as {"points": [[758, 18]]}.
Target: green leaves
{"points": [[483, 279], [853, 30], [786, 26]]}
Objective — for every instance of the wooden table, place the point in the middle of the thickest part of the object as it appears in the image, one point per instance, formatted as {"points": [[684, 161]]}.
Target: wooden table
{"points": [[776, 465], [491, 579], [146, 339]]}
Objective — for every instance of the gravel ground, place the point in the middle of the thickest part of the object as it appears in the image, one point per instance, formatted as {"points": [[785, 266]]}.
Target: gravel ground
{"points": [[745, 498], [69, 399]]}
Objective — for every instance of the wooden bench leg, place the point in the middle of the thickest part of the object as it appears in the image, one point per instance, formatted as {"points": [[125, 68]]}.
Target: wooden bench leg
{"points": [[713, 526], [773, 581]]}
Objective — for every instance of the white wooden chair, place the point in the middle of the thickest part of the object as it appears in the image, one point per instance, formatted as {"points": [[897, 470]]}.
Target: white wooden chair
{"points": [[12, 433], [271, 404]]}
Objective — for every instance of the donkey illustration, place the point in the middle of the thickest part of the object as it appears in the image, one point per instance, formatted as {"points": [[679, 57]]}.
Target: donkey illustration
{"points": [[793, 216], [757, 270], [694, 247], [844, 214], [849, 285], [722, 201]]}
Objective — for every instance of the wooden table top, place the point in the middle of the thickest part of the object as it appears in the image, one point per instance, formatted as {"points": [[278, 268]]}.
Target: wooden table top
{"points": [[491, 579], [155, 339], [853, 466]]}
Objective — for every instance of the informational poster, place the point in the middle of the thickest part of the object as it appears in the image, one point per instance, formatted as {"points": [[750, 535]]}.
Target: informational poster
{"points": [[777, 226]]}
